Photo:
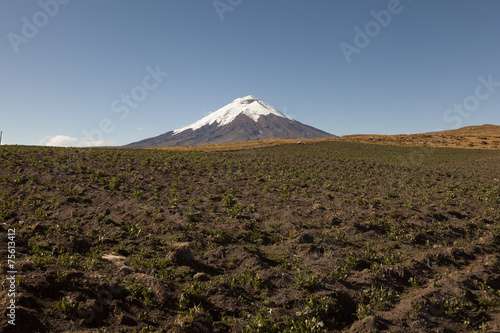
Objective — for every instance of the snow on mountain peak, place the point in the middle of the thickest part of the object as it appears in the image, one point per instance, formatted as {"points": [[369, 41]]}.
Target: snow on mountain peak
{"points": [[249, 105], [246, 100]]}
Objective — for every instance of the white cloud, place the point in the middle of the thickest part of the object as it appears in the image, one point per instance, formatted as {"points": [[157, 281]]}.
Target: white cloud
{"points": [[67, 141], [58, 141], [88, 143]]}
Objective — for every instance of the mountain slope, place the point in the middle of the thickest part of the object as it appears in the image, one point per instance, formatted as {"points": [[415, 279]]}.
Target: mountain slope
{"points": [[244, 119]]}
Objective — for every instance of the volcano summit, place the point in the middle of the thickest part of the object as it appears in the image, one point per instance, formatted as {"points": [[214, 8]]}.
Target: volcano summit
{"points": [[244, 119]]}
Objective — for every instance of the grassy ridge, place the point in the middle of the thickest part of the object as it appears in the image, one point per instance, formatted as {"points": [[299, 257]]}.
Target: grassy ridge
{"points": [[395, 155], [472, 137]]}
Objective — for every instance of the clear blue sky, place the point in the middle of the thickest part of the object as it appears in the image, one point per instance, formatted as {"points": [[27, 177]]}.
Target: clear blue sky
{"points": [[69, 76]]}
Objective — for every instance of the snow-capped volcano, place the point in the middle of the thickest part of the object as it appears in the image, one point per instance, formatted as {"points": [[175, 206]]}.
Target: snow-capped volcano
{"points": [[250, 106], [246, 118]]}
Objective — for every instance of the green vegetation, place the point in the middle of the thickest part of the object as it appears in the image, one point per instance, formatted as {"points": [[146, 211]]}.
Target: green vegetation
{"points": [[297, 238]]}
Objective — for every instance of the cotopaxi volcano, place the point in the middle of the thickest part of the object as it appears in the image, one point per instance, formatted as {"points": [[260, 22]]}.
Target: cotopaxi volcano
{"points": [[244, 119]]}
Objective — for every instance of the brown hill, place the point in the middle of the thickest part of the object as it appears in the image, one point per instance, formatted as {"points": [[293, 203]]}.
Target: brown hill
{"points": [[488, 130], [471, 137]]}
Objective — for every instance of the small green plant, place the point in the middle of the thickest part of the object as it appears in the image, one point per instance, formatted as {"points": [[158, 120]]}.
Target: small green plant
{"points": [[142, 315], [231, 263], [342, 238], [82, 167], [216, 235], [184, 301], [307, 281], [39, 214], [117, 181], [67, 259], [416, 281], [64, 306], [375, 298], [191, 314], [214, 207], [285, 193], [229, 319], [363, 311], [229, 201], [490, 300], [325, 308], [260, 322], [362, 202], [133, 229], [61, 277], [73, 195], [249, 277], [458, 309], [343, 270], [98, 177], [34, 201], [137, 292], [138, 194], [234, 211], [305, 325], [190, 217], [175, 199]]}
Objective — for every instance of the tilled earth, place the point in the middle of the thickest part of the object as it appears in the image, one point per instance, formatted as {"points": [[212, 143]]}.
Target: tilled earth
{"points": [[325, 237]]}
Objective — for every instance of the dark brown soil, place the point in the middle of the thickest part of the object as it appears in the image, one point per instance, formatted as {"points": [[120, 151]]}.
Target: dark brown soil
{"points": [[309, 238]]}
